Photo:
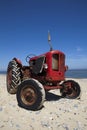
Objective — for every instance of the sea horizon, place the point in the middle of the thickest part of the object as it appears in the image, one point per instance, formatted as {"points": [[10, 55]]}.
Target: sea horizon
{"points": [[76, 73], [71, 73]]}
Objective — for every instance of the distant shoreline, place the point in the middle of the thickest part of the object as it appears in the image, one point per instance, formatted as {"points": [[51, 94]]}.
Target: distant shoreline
{"points": [[3, 72], [71, 73], [76, 73], [76, 69]]}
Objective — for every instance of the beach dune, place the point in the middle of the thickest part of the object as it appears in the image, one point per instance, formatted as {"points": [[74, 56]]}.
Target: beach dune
{"points": [[57, 113]]}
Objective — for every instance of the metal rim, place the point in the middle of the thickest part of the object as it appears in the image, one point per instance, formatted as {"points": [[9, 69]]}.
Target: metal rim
{"points": [[70, 89], [28, 95]]}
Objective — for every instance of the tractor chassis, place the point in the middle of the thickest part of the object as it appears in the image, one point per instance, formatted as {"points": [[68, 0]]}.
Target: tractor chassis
{"points": [[53, 87]]}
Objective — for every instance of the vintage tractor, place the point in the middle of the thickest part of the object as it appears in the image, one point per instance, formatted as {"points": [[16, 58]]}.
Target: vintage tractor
{"points": [[43, 73]]}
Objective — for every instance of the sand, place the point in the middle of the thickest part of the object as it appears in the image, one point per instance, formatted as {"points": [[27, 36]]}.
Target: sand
{"points": [[57, 113]]}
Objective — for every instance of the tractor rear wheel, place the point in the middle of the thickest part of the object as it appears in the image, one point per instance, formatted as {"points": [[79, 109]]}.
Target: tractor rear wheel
{"points": [[13, 77], [70, 90], [30, 94]]}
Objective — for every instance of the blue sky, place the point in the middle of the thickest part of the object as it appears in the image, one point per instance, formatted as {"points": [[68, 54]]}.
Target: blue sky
{"points": [[24, 26]]}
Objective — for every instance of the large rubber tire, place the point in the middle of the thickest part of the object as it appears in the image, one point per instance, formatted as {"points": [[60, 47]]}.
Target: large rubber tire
{"points": [[13, 77], [70, 90], [30, 94]]}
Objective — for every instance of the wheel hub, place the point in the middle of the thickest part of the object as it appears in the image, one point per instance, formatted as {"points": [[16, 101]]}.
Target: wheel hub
{"points": [[70, 89], [28, 96]]}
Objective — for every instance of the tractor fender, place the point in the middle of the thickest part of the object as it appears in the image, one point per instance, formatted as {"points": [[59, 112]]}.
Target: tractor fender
{"points": [[18, 61]]}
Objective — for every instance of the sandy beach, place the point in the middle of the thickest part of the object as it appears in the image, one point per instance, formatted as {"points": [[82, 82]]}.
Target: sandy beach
{"points": [[57, 113]]}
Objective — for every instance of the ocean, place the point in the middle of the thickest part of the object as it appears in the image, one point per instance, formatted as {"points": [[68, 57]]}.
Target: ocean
{"points": [[74, 73], [2, 72]]}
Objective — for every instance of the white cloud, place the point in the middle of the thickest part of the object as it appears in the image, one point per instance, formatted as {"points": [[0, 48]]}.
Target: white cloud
{"points": [[77, 58], [77, 62], [79, 49]]}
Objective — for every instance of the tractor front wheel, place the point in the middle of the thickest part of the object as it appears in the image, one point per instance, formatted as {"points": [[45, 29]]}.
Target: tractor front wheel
{"points": [[70, 90], [30, 94]]}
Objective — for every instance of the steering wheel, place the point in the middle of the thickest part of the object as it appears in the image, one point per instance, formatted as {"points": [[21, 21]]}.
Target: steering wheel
{"points": [[29, 56]]}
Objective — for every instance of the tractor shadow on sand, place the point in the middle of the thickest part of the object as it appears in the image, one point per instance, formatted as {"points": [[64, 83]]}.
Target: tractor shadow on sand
{"points": [[52, 97]]}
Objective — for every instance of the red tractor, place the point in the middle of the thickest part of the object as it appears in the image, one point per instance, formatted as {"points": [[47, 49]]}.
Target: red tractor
{"points": [[43, 73]]}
